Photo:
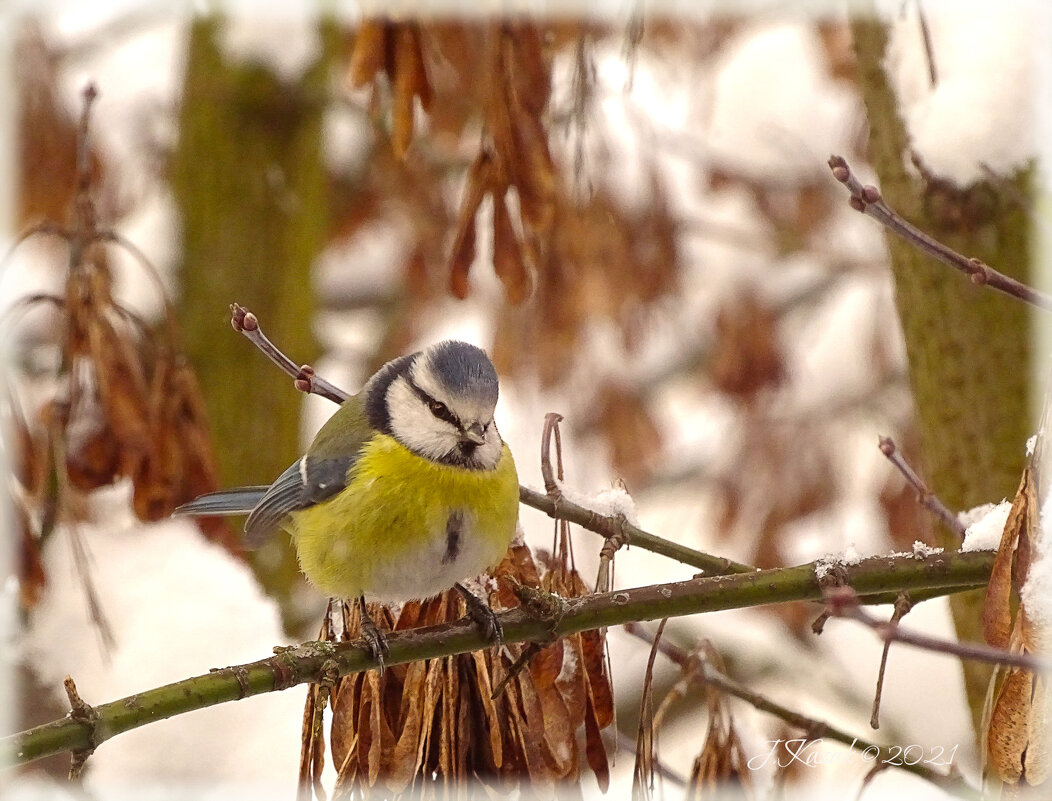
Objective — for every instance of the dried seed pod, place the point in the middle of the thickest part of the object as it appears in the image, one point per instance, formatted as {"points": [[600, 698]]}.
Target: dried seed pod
{"points": [[722, 764], [532, 171], [463, 253], [159, 472], [747, 356], [408, 67], [370, 52], [507, 254], [416, 66], [530, 72], [122, 387], [436, 720], [91, 447], [32, 578]]}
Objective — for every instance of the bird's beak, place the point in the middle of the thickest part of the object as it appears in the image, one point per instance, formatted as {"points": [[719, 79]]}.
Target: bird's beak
{"points": [[474, 434]]}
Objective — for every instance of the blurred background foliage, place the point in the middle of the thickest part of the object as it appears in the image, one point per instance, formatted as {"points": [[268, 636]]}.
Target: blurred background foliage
{"points": [[472, 150]]}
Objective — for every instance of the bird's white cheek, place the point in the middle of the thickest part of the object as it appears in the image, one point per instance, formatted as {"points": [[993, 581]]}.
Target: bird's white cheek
{"points": [[415, 427]]}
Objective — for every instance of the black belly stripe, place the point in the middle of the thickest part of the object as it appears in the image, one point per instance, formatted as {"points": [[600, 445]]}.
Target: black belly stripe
{"points": [[453, 527]]}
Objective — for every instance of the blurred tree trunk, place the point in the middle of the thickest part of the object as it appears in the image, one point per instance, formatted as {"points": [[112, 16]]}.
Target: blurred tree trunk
{"points": [[248, 176], [968, 347]]}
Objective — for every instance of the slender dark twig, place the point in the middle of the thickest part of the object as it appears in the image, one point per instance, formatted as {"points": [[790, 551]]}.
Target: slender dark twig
{"points": [[551, 426], [697, 668], [929, 50], [843, 602], [646, 742], [245, 322], [902, 608], [929, 500], [867, 199]]}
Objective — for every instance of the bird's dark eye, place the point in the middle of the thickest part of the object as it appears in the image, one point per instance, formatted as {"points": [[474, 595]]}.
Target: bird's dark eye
{"points": [[439, 410]]}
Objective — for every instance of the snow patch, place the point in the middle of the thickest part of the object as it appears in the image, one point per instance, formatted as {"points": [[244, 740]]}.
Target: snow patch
{"points": [[1036, 593], [830, 562], [980, 113], [922, 550], [608, 502], [984, 526]]}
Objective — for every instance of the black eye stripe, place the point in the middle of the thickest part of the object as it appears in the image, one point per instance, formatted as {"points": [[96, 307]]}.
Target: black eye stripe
{"points": [[436, 407]]}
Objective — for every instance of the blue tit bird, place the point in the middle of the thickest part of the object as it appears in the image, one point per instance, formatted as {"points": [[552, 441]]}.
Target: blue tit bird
{"points": [[406, 491]]}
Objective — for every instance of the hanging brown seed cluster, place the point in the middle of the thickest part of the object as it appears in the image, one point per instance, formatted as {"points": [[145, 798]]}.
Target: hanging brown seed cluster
{"points": [[394, 49], [622, 418], [127, 405], [747, 356], [564, 256], [515, 157], [426, 728], [722, 762]]}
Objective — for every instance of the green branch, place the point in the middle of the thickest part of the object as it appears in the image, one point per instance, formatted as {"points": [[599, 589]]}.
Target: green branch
{"points": [[311, 662], [563, 509]]}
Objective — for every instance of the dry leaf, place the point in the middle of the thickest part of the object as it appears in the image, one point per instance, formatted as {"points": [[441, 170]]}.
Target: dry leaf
{"points": [[370, 52], [408, 66], [507, 254], [32, 578], [997, 615], [747, 356], [463, 253], [1009, 729]]}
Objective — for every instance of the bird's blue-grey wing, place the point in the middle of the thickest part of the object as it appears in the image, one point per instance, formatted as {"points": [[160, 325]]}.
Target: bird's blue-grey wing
{"points": [[237, 501], [308, 481]]}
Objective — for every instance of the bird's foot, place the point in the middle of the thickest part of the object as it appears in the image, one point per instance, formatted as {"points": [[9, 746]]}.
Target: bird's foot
{"points": [[482, 614], [374, 638]]}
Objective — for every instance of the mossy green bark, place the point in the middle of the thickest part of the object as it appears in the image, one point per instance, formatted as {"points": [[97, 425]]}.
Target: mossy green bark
{"points": [[968, 347], [249, 180]]}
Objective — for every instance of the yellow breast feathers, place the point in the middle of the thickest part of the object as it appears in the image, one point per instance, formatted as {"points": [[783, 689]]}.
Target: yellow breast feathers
{"points": [[408, 527]]}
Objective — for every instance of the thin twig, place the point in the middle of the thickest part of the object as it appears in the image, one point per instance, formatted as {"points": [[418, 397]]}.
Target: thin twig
{"points": [[867, 199], [624, 741], [610, 527], [245, 322], [902, 608], [646, 745], [697, 668], [844, 602], [551, 426], [614, 542], [929, 50], [929, 500]]}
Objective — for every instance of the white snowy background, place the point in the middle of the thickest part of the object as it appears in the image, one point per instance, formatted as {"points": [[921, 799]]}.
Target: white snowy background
{"points": [[179, 606]]}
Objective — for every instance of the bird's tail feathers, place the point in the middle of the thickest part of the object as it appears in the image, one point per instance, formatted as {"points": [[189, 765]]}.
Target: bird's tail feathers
{"points": [[237, 501]]}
